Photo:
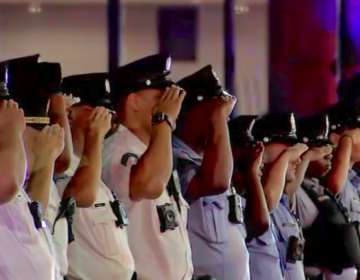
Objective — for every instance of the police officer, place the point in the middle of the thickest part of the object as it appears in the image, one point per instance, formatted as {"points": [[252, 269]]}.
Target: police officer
{"points": [[278, 133], [23, 244], [329, 253], [100, 249], [201, 148], [137, 166], [43, 144], [248, 156]]}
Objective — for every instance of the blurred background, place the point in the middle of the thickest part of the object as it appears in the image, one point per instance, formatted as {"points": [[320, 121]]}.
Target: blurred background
{"points": [[273, 54]]}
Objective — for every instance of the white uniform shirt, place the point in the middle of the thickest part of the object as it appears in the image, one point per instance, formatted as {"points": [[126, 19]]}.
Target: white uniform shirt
{"points": [[100, 250], [158, 256], [24, 253], [60, 236]]}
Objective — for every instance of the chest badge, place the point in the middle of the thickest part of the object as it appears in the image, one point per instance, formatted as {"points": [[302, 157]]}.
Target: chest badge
{"points": [[19, 198]]}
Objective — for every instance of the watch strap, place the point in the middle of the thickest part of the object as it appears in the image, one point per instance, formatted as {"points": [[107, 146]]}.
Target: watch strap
{"points": [[160, 117]]}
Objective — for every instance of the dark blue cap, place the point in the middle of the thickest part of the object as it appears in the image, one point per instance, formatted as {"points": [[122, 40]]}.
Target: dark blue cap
{"points": [[150, 72], [279, 128], [241, 130], [343, 114], [201, 86], [314, 130], [93, 89]]}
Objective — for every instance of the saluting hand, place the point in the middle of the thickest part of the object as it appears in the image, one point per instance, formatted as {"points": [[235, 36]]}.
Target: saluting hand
{"points": [[70, 100], [170, 102], [100, 121], [49, 144], [223, 105], [256, 159], [11, 117], [315, 154], [354, 134], [294, 152]]}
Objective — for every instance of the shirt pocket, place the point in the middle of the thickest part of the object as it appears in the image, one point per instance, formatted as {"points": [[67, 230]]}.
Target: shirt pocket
{"points": [[267, 238], [215, 220], [105, 230]]}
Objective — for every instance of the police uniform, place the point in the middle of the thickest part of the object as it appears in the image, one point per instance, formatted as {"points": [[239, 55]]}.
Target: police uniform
{"points": [[218, 245], [100, 249], [158, 255], [23, 245], [43, 79], [314, 131], [279, 128]]}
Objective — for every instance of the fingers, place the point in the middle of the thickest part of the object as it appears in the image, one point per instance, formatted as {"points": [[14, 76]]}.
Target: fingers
{"points": [[165, 94], [46, 129], [4, 104], [181, 97]]}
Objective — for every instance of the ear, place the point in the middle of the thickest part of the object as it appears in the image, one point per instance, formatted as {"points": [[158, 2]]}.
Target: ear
{"points": [[334, 138], [133, 101]]}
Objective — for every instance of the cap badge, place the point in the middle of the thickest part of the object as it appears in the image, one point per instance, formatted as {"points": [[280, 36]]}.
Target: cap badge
{"points": [[215, 75], [266, 139], [107, 85], [305, 139], [333, 127], [39, 59], [148, 82], [200, 98], [292, 123], [168, 64]]}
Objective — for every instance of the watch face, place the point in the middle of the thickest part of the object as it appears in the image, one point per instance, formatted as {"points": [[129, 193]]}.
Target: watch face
{"points": [[158, 117]]}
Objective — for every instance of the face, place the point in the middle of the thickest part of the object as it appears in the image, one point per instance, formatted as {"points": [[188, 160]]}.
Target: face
{"points": [[143, 103], [321, 167], [272, 153], [79, 115]]}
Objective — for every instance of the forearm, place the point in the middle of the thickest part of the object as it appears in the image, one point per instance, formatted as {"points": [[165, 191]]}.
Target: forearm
{"points": [[58, 115], [256, 211], [275, 182], [292, 187], [85, 183], [150, 176], [215, 172], [13, 165], [40, 183], [336, 179]]}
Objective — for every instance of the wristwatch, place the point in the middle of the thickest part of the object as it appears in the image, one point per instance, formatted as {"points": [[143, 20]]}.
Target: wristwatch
{"points": [[160, 117]]}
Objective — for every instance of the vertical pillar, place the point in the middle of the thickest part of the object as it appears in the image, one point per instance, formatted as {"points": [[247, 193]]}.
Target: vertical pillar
{"points": [[350, 38], [114, 34], [229, 46], [302, 50]]}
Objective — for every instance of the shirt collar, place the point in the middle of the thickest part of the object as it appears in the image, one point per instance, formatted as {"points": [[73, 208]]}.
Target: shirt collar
{"points": [[134, 139], [183, 150], [352, 174]]}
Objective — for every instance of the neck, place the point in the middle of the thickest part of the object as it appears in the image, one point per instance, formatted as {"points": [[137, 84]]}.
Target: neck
{"points": [[139, 131], [79, 138]]}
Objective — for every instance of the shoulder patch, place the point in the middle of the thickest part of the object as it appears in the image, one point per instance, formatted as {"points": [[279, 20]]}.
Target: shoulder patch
{"points": [[126, 157]]}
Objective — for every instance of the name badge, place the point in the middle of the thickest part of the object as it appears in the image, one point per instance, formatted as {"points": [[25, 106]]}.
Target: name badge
{"points": [[99, 205], [289, 225]]}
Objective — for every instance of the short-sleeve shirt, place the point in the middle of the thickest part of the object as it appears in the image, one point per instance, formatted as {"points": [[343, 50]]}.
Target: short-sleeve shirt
{"points": [[286, 226], [24, 253], [218, 246], [160, 256], [349, 196], [60, 236], [100, 250]]}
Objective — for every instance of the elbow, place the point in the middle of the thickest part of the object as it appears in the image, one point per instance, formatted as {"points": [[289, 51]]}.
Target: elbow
{"points": [[151, 190], [86, 201], [335, 187], [63, 163], [9, 188], [219, 186], [261, 227]]}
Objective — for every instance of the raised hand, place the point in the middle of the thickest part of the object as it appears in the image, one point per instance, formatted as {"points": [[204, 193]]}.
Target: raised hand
{"points": [[100, 121]]}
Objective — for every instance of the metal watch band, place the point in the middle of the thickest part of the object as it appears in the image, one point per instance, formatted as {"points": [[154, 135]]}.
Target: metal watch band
{"points": [[160, 117]]}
